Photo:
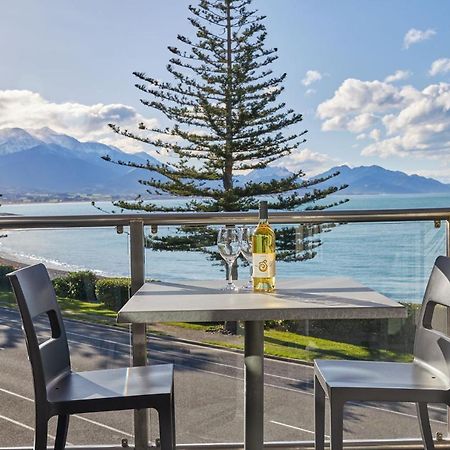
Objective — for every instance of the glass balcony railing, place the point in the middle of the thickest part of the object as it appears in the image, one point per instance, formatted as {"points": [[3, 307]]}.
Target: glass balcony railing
{"points": [[390, 251]]}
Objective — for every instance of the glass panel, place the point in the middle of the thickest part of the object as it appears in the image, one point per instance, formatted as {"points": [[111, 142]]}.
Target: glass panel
{"points": [[392, 258], [439, 318], [94, 339]]}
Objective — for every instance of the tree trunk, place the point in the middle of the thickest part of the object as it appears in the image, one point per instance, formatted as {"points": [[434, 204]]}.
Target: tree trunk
{"points": [[228, 169]]}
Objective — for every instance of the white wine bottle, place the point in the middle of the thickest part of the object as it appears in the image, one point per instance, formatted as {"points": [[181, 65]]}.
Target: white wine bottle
{"points": [[263, 248]]}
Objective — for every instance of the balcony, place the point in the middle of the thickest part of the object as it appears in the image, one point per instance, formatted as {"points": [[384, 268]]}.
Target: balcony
{"points": [[209, 365]]}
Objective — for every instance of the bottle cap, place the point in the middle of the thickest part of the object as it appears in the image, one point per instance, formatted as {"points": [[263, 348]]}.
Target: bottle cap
{"points": [[263, 210]]}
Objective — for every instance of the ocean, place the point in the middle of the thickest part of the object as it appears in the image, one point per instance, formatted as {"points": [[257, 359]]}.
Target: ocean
{"points": [[393, 258]]}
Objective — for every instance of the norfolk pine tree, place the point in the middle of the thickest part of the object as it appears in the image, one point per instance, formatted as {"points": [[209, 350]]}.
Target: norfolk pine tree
{"points": [[225, 119]]}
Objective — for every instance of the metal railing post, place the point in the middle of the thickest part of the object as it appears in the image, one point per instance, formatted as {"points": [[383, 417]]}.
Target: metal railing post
{"points": [[447, 253], [138, 331]]}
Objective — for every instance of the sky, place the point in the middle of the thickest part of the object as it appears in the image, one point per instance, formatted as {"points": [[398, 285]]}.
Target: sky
{"points": [[371, 77]]}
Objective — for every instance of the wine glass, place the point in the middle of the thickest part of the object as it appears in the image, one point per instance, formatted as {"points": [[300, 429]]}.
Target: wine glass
{"points": [[246, 250], [229, 243]]}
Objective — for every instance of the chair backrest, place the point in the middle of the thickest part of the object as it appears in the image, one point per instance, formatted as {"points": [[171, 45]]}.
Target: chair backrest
{"points": [[431, 346], [37, 301]]}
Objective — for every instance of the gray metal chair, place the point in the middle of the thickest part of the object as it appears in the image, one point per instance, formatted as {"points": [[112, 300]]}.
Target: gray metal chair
{"points": [[425, 380], [60, 392]]}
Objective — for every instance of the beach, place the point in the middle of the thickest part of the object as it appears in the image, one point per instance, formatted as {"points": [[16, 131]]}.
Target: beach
{"points": [[54, 273]]}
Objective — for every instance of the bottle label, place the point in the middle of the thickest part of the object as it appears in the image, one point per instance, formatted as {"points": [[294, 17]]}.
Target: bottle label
{"points": [[263, 265]]}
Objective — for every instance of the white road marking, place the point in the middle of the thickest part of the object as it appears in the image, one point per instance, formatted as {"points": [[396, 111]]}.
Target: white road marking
{"points": [[15, 394], [294, 428], [103, 425], [413, 416], [20, 424]]}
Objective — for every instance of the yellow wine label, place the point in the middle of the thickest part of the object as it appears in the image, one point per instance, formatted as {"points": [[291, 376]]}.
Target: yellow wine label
{"points": [[263, 265]]}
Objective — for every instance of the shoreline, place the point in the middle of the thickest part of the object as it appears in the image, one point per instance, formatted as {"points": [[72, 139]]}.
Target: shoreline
{"points": [[54, 273]]}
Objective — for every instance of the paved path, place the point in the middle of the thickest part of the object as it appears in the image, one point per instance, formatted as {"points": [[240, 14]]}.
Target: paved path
{"points": [[209, 393]]}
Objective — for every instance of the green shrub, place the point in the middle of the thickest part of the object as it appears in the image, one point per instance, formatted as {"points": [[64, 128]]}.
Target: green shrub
{"points": [[113, 292], [77, 285], [4, 282]]}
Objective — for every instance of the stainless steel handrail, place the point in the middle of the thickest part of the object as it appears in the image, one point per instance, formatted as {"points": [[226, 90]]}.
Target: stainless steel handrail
{"points": [[224, 218]]}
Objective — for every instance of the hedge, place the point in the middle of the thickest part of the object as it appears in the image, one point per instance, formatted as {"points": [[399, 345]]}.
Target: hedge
{"points": [[78, 285], [113, 292], [4, 282]]}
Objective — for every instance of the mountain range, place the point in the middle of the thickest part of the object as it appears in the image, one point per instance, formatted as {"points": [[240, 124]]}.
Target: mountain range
{"points": [[378, 180], [43, 161], [48, 163]]}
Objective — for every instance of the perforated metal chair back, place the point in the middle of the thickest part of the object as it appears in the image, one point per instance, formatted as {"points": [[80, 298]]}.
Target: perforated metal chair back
{"points": [[37, 300], [432, 347]]}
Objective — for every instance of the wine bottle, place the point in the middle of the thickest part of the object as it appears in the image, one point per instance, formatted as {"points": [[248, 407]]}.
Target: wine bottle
{"points": [[263, 248]]}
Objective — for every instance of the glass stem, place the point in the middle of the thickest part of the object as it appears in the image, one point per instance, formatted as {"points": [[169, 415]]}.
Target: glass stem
{"points": [[230, 273]]}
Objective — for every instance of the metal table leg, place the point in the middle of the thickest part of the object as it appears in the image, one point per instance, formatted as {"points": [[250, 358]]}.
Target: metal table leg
{"points": [[254, 385], [139, 344]]}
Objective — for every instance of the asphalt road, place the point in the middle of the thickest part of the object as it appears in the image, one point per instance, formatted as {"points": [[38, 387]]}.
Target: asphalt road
{"points": [[208, 389]]}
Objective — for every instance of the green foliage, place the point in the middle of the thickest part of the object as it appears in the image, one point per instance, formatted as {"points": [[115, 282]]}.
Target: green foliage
{"points": [[4, 282], [225, 114], [396, 334], [113, 292], [77, 285]]}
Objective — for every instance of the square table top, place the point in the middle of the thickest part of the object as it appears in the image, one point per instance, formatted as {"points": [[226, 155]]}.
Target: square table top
{"points": [[294, 298]]}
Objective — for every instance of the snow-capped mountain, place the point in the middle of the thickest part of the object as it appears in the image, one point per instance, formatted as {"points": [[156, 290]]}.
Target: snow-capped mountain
{"points": [[14, 140], [44, 161]]}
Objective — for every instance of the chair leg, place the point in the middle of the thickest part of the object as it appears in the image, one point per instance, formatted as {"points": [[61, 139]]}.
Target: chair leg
{"points": [[319, 415], [167, 427], [40, 432], [172, 414], [425, 428], [337, 423], [61, 432]]}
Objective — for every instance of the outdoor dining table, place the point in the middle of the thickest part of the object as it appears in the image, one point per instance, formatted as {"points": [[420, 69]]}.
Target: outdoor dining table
{"points": [[294, 298]]}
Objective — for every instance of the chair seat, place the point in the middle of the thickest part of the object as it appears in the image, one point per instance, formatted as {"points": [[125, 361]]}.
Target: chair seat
{"points": [[381, 380], [101, 390]]}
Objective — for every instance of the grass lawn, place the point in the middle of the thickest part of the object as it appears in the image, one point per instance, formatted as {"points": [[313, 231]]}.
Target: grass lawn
{"points": [[74, 309], [306, 348], [277, 343]]}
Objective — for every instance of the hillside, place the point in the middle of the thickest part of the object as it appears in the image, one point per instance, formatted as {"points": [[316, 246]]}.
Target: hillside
{"points": [[378, 180]]}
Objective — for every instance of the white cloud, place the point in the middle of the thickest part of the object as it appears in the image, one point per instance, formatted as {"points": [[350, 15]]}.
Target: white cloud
{"points": [[311, 77], [355, 102], [442, 174], [361, 122], [375, 134], [413, 36], [402, 121], [26, 109], [441, 65], [310, 92], [311, 162], [398, 75]]}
